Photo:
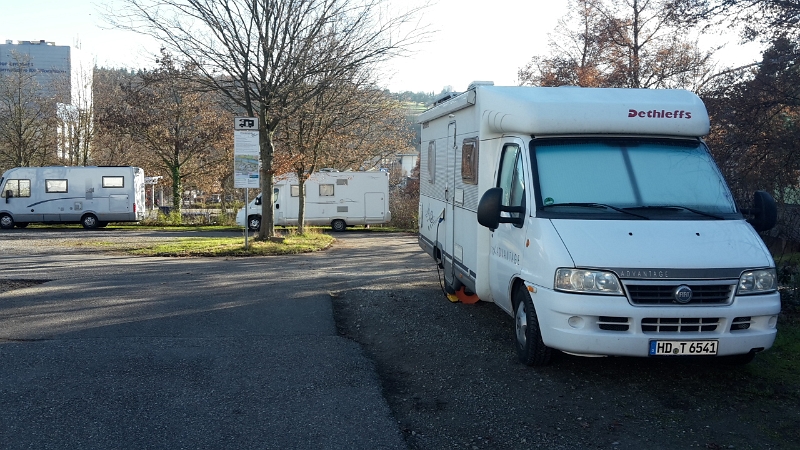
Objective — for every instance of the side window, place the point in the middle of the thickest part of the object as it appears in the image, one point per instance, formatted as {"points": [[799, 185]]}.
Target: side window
{"points": [[18, 188], [512, 177], [326, 190], [295, 190], [469, 161], [432, 162], [113, 182], [55, 186]]}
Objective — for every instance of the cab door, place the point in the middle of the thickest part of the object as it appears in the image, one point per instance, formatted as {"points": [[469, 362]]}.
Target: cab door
{"points": [[508, 239]]}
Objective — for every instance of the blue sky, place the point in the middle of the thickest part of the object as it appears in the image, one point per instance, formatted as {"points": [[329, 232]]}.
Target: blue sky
{"points": [[488, 42]]}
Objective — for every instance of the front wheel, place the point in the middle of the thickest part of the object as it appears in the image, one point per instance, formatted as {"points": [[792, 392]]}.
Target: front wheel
{"points": [[6, 222], [89, 221], [527, 334], [338, 225], [254, 223]]}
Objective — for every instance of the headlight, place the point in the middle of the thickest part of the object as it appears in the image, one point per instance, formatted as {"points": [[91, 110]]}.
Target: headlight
{"points": [[757, 282], [587, 281]]}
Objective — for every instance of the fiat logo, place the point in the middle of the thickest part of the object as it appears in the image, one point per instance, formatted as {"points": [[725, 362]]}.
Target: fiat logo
{"points": [[683, 294]]}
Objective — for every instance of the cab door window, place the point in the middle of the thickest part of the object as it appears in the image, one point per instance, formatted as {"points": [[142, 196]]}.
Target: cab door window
{"points": [[17, 188], [512, 178]]}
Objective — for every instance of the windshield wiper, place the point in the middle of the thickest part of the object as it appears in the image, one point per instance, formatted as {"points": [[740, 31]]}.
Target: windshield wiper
{"points": [[599, 205], [684, 208]]}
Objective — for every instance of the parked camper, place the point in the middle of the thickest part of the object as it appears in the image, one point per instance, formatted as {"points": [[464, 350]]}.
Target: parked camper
{"points": [[598, 220], [338, 199], [91, 196]]}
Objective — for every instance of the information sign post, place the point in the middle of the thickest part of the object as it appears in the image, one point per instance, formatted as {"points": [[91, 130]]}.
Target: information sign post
{"points": [[246, 153]]}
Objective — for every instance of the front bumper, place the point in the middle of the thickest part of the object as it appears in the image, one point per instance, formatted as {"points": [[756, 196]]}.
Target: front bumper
{"points": [[610, 325]]}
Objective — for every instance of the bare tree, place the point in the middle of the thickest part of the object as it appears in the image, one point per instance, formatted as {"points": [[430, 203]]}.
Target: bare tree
{"points": [[76, 122], [262, 53], [27, 117], [350, 126], [113, 144], [621, 43], [764, 20], [183, 132]]}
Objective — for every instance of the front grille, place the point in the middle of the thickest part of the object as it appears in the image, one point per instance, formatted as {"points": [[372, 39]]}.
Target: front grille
{"points": [[679, 325], [659, 294], [613, 323]]}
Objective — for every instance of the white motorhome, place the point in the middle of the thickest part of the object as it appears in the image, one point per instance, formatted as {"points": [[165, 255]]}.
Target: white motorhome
{"points": [[91, 196], [338, 199], [598, 220]]}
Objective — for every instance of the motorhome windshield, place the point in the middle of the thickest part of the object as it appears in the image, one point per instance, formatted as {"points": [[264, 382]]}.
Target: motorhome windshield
{"points": [[636, 178]]}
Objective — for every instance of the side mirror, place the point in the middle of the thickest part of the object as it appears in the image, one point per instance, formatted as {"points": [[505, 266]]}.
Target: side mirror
{"points": [[490, 207], [9, 194], [764, 212]]}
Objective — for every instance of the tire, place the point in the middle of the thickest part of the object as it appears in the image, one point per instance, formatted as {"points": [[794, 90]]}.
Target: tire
{"points": [[89, 221], [254, 223], [338, 225], [21, 224], [527, 334], [6, 222]]}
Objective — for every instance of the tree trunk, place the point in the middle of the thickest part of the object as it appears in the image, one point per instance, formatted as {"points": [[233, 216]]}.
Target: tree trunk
{"points": [[177, 192], [266, 132]]}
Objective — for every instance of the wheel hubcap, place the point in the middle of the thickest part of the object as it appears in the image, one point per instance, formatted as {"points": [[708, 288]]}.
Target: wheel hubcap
{"points": [[521, 324]]}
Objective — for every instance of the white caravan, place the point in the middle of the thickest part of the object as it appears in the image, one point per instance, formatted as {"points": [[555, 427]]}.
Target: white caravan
{"points": [[338, 199], [91, 196], [598, 219]]}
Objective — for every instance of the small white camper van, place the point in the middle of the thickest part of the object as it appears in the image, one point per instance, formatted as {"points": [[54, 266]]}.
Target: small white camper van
{"points": [[598, 219], [91, 196], [338, 199]]}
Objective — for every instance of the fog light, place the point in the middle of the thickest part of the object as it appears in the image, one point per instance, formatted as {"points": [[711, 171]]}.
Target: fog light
{"points": [[773, 321], [575, 322]]}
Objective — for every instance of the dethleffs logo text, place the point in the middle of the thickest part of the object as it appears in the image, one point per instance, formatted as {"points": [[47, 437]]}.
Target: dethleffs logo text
{"points": [[660, 114]]}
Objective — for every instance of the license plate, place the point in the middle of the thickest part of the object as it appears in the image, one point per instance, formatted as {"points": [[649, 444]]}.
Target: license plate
{"points": [[679, 348]]}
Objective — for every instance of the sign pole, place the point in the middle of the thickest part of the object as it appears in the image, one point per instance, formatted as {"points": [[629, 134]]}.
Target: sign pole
{"points": [[246, 154], [246, 215]]}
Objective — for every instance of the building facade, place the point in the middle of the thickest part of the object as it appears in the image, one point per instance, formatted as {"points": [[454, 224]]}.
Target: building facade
{"points": [[62, 74]]}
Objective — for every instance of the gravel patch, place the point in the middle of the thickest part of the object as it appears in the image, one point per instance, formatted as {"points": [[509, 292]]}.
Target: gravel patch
{"points": [[451, 377]]}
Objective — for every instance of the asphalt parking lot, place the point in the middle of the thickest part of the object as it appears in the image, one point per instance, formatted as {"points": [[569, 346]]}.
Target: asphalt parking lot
{"points": [[129, 352], [352, 347]]}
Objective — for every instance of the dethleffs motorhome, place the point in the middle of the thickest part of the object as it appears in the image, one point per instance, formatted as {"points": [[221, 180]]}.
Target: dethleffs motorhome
{"points": [[338, 199], [598, 219], [91, 196]]}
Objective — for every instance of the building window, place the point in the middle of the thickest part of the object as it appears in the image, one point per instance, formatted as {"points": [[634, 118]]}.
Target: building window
{"points": [[326, 190], [17, 188], [113, 182], [432, 162], [55, 185], [469, 161], [295, 190]]}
